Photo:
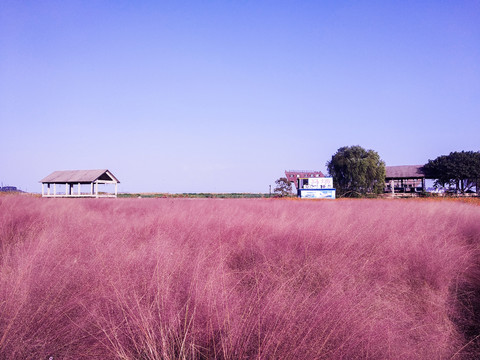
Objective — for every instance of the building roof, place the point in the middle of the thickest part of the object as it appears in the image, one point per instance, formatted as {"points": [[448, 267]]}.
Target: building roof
{"points": [[293, 175], [304, 173], [79, 176], [404, 172]]}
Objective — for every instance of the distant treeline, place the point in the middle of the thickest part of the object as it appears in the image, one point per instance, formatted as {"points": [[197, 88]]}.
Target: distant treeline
{"points": [[198, 195]]}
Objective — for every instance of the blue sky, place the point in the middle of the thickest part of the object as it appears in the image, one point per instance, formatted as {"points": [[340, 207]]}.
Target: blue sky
{"points": [[223, 96]]}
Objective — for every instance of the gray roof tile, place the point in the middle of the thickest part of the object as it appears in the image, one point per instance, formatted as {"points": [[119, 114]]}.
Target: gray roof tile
{"points": [[75, 176], [404, 172]]}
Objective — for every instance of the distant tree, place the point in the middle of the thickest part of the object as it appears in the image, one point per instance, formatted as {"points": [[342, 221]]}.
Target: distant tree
{"points": [[458, 169], [284, 187], [357, 171]]}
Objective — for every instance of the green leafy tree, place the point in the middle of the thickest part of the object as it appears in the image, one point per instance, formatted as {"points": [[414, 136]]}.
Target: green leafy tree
{"points": [[460, 169], [284, 187], [356, 171]]}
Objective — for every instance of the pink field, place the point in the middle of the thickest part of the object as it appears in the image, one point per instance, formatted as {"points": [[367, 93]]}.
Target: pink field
{"points": [[238, 279]]}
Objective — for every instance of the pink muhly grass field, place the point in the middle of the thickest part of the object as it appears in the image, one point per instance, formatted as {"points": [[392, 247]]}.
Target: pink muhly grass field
{"points": [[238, 279]]}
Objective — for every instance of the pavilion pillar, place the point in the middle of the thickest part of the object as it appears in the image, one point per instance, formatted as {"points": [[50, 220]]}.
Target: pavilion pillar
{"points": [[392, 187], [91, 188], [54, 189], [96, 189], [116, 189]]}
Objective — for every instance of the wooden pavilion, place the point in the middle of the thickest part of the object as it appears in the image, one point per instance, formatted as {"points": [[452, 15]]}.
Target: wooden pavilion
{"points": [[79, 183], [404, 179]]}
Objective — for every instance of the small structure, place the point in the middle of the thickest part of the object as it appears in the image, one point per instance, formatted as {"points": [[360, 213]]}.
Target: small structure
{"points": [[9, 189], [294, 175], [404, 179], [74, 180], [316, 188]]}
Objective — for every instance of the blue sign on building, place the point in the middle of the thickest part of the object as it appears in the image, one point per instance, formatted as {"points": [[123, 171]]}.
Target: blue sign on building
{"points": [[317, 193]]}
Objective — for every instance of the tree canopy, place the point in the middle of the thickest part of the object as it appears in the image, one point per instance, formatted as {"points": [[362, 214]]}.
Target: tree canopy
{"points": [[459, 169], [284, 187], [357, 171]]}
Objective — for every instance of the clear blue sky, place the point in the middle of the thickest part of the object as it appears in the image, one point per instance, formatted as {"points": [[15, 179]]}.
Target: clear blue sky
{"points": [[223, 96]]}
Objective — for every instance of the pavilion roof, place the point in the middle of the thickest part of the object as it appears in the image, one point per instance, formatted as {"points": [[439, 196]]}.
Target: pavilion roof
{"points": [[404, 172], [80, 176]]}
